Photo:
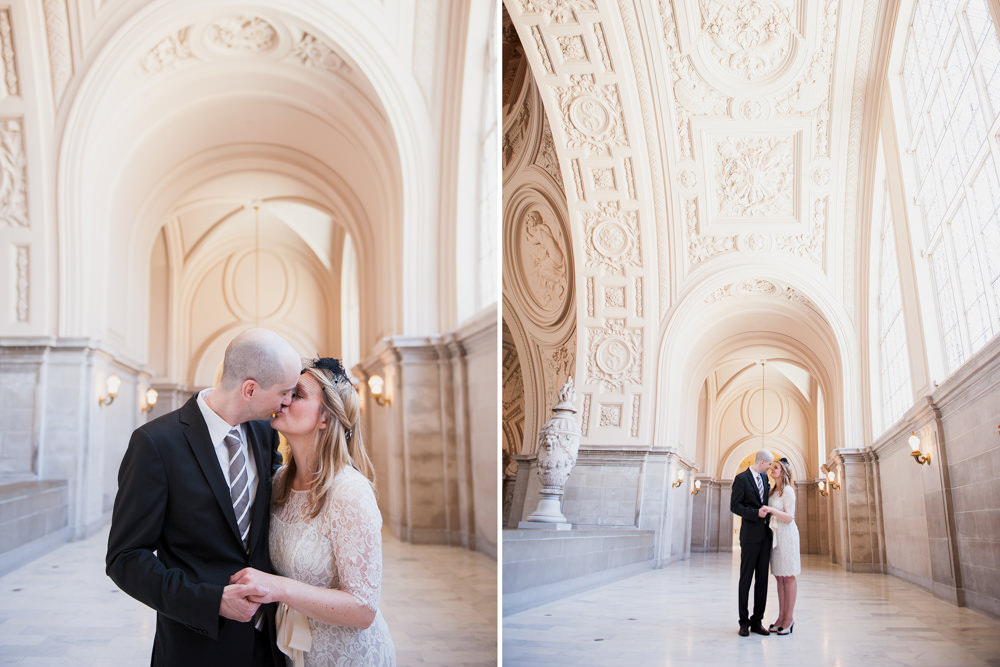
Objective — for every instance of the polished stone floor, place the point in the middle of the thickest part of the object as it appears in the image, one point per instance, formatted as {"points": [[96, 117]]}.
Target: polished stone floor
{"points": [[686, 614], [61, 609]]}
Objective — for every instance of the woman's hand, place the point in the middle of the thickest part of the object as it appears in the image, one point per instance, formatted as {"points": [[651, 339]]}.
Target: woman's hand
{"points": [[762, 512], [270, 587]]}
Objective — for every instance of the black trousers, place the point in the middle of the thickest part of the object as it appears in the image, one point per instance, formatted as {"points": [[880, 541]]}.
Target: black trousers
{"points": [[754, 560]]}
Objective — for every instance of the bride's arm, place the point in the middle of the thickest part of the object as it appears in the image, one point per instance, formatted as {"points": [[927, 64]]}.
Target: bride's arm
{"points": [[788, 516]]}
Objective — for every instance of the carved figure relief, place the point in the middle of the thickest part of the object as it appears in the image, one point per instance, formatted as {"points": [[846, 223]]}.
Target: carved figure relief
{"points": [[8, 82], [543, 253], [242, 33], [13, 186]]}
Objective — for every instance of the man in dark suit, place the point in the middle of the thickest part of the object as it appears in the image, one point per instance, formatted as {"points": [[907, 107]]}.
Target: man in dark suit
{"points": [[750, 491], [193, 508]]}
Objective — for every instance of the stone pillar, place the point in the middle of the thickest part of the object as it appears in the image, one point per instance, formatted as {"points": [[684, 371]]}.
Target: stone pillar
{"points": [[558, 445], [858, 522]]}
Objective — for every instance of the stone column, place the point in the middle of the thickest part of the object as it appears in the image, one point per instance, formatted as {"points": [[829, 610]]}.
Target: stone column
{"points": [[860, 522]]}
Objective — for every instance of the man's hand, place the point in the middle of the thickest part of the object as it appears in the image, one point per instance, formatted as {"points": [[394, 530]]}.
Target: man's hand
{"points": [[762, 512], [271, 585], [235, 604]]}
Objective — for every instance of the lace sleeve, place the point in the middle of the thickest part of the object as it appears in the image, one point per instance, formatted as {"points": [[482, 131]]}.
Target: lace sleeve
{"points": [[789, 499], [357, 538]]}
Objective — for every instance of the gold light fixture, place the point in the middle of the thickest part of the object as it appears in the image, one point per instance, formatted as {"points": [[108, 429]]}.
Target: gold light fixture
{"points": [[822, 488], [918, 455], [377, 386], [697, 487], [113, 384], [679, 480], [151, 397]]}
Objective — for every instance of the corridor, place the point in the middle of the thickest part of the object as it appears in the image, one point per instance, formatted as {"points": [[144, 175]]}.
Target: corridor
{"points": [[685, 614], [61, 609]]}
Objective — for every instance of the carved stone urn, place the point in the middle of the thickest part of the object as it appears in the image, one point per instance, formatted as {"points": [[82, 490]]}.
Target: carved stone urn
{"points": [[558, 445]]}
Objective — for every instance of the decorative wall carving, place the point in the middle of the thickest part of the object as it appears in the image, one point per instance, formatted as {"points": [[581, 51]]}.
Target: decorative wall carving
{"points": [[167, 53], [604, 178], [60, 50], [590, 296], [585, 417], [8, 82], [559, 11], [614, 297], [23, 281], [759, 287], [612, 238], [603, 47], [543, 264], [807, 245], [592, 115], [512, 404], [635, 415], [515, 134], [611, 415], [572, 48], [629, 178], [546, 156], [703, 246], [543, 51], [13, 174], [312, 52], [578, 179], [755, 176], [638, 297], [749, 39], [615, 355], [242, 34]]}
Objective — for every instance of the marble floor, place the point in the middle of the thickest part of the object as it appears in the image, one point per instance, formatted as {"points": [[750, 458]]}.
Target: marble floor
{"points": [[61, 609], [686, 614]]}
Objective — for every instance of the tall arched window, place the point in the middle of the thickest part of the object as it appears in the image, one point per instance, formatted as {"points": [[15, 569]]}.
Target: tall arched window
{"points": [[951, 87], [893, 367]]}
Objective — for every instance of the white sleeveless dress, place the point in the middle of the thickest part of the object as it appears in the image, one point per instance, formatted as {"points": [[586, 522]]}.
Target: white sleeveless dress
{"points": [[340, 548], [785, 558]]}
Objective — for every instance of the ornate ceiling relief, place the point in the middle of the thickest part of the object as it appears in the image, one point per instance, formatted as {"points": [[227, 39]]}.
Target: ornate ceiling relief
{"points": [[611, 415], [13, 177], [8, 75], [242, 34], [754, 68], [612, 239], [513, 404], [168, 53], [60, 50], [546, 157], [311, 52], [760, 287], [559, 11], [615, 355], [515, 134], [543, 265], [592, 118]]}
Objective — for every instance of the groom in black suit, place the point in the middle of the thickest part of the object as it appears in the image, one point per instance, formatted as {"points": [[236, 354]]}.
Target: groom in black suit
{"points": [[193, 508], [750, 491]]}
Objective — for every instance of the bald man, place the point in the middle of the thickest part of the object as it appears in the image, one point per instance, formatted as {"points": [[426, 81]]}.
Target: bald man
{"points": [[192, 509], [750, 492]]}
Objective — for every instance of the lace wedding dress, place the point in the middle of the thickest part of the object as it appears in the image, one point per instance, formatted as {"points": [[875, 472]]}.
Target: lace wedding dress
{"points": [[340, 548], [785, 558]]}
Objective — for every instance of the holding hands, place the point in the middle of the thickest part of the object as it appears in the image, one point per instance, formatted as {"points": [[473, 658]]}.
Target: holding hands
{"points": [[238, 601], [763, 511], [263, 588]]}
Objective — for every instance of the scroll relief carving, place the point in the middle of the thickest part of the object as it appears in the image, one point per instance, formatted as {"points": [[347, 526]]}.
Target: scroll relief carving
{"points": [[750, 39], [13, 187], [168, 53], [242, 33], [762, 287], [543, 255], [559, 11], [8, 84], [612, 239], [615, 355], [755, 176], [592, 115]]}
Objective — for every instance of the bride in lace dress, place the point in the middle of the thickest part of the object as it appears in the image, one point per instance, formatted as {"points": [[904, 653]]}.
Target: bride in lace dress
{"points": [[325, 539], [785, 558]]}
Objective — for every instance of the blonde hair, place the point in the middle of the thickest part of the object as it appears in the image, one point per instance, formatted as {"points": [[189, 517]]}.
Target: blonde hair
{"points": [[338, 446], [786, 476]]}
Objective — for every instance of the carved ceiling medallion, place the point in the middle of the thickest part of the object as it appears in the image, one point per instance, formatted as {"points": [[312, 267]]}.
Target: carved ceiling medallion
{"points": [[246, 34], [615, 356], [750, 39]]}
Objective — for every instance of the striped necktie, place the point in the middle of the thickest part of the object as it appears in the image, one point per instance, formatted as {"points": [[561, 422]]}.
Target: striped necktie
{"points": [[239, 489], [760, 487]]}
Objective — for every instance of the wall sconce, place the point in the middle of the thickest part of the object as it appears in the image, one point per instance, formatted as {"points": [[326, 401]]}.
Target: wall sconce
{"points": [[151, 396], [697, 487], [918, 455], [679, 480], [113, 383], [829, 483], [377, 386]]}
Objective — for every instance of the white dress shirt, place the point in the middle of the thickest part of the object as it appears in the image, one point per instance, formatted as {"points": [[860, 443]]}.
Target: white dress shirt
{"points": [[218, 429]]}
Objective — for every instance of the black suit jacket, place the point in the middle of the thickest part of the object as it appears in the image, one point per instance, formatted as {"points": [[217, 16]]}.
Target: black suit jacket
{"points": [[174, 542], [745, 501]]}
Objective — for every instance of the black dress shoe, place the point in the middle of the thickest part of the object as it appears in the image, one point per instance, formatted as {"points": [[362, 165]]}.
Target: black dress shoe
{"points": [[759, 629], [744, 631]]}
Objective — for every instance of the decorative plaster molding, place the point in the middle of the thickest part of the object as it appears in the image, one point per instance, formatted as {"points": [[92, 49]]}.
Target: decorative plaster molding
{"points": [[611, 415], [168, 53], [603, 47], [13, 174], [614, 297], [312, 52], [572, 49], [604, 178], [60, 49], [755, 176], [559, 11], [8, 84], [750, 40], [703, 246], [760, 287], [543, 51], [612, 239], [542, 261], [23, 283], [635, 415], [615, 355], [585, 417], [590, 296], [638, 297], [546, 157], [240, 33], [578, 179], [515, 135], [512, 403], [591, 115], [629, 178]]}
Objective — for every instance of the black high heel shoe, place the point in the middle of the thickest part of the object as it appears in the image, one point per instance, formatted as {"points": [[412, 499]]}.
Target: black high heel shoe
{"points": [[773, 628], [786, 631]]}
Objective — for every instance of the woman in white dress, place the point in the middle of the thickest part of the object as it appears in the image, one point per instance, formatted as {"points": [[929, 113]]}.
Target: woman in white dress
{"points": [[325, 539], [785, 560]]}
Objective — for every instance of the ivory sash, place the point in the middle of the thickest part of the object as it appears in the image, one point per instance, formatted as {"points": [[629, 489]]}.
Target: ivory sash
{"points": [[294, 636]]}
